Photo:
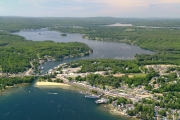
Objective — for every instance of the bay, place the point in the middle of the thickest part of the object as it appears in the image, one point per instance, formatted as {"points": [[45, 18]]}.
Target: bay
{"points": [[31, 103]]}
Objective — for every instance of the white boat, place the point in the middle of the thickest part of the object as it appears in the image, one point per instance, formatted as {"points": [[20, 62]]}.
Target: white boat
{"points": [[102, 100], [92, 96]]}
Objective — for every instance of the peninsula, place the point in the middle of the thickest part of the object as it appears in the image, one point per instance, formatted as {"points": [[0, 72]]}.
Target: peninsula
{"points": [[21, 59]]}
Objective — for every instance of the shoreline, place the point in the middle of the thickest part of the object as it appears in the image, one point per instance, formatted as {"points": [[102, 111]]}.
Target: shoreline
{"points": [[51, 84], [106, 107], [83, 90], [4, 91]]}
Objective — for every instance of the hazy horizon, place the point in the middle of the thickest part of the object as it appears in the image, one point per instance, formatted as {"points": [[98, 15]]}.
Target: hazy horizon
{"points": [[91, 8], [95, 17]]}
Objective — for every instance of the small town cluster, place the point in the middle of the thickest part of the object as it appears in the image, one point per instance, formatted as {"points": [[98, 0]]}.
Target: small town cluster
{"points": [[134, 101]]}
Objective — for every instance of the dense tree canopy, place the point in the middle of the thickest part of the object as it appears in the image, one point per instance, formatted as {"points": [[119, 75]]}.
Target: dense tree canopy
{"points": [[11, 81], [116, 66], [16, 52]]}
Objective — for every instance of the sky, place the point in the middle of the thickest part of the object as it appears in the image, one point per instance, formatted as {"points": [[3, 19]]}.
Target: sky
{"points": [[91, 8]]}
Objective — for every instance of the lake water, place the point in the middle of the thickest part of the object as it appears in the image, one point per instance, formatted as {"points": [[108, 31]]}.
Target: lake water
{"points": [[31, 103], [101, 49]]}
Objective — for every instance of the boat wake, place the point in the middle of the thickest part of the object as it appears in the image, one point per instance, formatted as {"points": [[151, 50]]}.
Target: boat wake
{"points": [[52, 93]]}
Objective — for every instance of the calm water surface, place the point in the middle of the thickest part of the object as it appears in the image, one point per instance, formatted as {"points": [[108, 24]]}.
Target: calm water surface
{"points": [[31, 103], [101, 49]]}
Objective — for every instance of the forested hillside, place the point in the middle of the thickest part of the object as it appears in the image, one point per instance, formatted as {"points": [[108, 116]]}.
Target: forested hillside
{"points": [[164, 41], [13, 24], [16, 52]]}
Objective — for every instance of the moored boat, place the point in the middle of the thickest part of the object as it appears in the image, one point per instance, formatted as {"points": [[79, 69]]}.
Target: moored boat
{"points": [[102, 100], [92, 96]]}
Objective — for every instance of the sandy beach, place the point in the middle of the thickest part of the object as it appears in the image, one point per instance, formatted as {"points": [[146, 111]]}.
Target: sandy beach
{"points": [[51, 84]]}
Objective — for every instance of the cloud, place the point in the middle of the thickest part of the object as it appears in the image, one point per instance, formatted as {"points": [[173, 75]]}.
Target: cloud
{"points": [[106, 3], [38, 2], [142, 8], [85, 8], [31, 2], [2, 9], [133, 3]]}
